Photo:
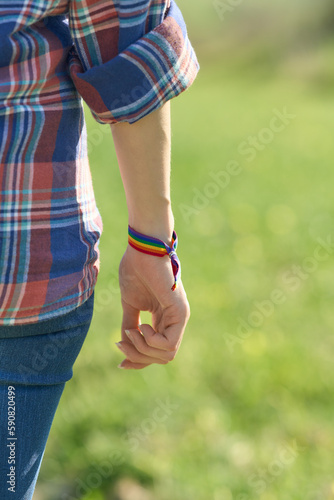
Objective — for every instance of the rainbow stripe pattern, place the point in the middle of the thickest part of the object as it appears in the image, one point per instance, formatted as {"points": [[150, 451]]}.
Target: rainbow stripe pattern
{"points": [[158, 248]]}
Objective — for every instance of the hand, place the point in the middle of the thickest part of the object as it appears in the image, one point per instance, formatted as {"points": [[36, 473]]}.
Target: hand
{"points": [[145, 283]]}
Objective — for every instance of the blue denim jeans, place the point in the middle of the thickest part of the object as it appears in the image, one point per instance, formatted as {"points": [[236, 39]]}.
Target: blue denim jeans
{"points": [[35, 363]]}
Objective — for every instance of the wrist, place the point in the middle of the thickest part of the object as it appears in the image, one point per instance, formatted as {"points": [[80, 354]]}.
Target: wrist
{"points": [[158, 223], [156, 247]]}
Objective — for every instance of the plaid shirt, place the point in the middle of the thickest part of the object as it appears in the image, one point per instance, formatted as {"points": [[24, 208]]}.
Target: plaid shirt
{"points": [[125, 58]]}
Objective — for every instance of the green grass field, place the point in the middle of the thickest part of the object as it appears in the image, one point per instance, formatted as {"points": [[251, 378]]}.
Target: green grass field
{"points": [[245, 411]]}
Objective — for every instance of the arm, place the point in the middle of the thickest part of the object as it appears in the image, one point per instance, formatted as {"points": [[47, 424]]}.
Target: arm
{"points": [[143, 151], [127, 65]]}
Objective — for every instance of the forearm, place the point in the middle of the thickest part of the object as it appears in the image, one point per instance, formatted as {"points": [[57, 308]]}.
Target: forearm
{"points": [[143, 152]]}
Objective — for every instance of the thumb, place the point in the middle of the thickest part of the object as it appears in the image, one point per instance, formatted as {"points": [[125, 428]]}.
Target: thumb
{"points": [[131, 318]]}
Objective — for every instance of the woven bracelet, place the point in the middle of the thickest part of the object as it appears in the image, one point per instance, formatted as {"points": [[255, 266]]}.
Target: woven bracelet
{"points": [[154, 246]]}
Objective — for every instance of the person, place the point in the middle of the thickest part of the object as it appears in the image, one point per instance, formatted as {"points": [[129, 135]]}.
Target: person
{"points": [[126, 60]]}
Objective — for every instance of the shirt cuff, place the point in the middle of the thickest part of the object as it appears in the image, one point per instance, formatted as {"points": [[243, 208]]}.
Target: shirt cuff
{"points": [[157, 67]]}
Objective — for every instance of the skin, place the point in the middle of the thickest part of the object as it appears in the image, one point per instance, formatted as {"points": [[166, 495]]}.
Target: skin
{"points": [[143, 152]]}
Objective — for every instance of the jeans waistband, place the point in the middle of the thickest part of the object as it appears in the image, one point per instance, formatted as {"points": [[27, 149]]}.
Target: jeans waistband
{"points": [[80, 315]]}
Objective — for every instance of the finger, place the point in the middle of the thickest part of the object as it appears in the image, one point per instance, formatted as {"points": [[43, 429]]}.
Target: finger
{"points": [[131, 317], [136, 357], [139, 342], [127, 364], [168, 340], [171, 327]]}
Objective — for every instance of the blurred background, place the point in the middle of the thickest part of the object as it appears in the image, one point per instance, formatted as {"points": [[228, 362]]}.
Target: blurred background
{"points": [[245, 411]]}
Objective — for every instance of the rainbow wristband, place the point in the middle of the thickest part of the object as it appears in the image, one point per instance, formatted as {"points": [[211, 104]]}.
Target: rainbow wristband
{"points": [[154, 246]]}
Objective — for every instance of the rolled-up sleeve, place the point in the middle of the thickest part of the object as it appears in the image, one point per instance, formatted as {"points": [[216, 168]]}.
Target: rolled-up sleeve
{"points": [[129, 57]]}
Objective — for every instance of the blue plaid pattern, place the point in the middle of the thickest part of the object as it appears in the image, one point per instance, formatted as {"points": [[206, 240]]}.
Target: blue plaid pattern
{"points": [[125, 58]]}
